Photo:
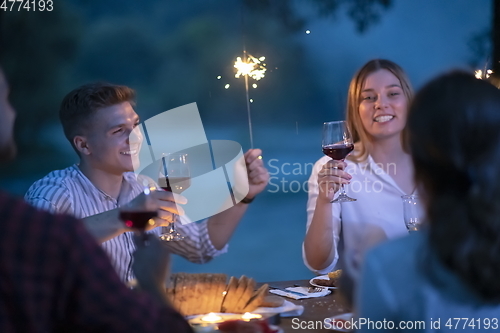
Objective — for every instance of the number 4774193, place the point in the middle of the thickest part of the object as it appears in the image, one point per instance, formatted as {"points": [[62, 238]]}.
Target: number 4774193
{"points": [[472, 323], [27, 5]]}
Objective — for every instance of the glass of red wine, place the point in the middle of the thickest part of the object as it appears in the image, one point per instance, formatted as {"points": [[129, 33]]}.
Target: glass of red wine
{"points": [[337, 144], [138, 220], [175, 177]]}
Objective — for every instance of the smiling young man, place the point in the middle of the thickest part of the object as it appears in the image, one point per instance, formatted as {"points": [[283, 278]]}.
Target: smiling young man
{"points": [[99, 121], [48, 270]]}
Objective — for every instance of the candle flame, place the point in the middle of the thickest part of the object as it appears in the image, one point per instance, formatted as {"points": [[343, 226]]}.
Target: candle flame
{"points": [[211, 318], [249, 316]]}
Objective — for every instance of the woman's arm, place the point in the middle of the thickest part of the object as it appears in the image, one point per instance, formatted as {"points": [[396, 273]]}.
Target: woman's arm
{"points": [[323, 220]]}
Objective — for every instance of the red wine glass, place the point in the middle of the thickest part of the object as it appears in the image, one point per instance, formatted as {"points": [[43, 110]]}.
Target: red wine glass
{"points": [[138, 219], [337, 144], [174, 177]]}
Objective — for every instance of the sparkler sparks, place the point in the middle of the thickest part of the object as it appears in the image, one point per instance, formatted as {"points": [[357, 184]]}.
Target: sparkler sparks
{"points": [[480, 75], [252, 67]]}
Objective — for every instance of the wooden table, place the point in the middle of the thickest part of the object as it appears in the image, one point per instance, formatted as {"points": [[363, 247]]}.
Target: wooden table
{"points": [[315, 309]]}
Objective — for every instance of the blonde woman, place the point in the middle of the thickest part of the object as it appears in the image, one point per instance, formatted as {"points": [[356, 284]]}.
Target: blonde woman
{"points": [[377, 173]]}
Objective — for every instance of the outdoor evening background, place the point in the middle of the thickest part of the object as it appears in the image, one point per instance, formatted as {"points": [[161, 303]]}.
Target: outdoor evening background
{"points": [[172, 53]]}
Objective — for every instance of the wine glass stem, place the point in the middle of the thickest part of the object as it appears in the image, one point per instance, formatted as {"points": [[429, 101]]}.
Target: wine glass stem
{"points": [[170, 229], [342, 191]]}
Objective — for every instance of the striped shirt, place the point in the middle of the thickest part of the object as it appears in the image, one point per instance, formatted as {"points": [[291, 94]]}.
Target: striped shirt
{"points": [[69, 191]]}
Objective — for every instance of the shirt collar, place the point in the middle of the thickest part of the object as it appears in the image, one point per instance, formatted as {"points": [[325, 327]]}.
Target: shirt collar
{"points": [[127, 180]]}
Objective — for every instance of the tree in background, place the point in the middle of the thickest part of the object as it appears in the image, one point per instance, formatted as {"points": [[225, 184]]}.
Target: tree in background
{"points": [[36, 51], [495, 37], [363, 13]]}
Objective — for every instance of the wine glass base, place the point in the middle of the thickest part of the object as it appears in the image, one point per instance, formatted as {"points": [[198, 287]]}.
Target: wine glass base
{"points": [[173, 237], [343, 198]]}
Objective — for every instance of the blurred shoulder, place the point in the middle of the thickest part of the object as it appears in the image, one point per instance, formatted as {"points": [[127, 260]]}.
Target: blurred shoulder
{"points": [[57, 179], [15, 209], [403, 250]]}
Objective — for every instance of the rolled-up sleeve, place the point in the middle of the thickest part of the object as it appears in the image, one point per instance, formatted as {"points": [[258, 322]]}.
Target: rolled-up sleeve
{"points": [[196, 246]]}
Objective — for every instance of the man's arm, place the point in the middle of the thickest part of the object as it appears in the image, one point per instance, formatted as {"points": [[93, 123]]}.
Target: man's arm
{"points": [[150, 266], [105, 226], [77, 258], [221, 226], [52, 196]]}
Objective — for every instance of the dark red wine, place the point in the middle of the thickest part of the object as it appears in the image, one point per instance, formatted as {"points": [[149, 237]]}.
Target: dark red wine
{"points": [[137, 220], [338, 151], [175, 184]]}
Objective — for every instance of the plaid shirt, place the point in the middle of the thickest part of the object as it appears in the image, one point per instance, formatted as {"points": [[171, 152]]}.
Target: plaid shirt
{"points": [[69, 191], [54, 277]]}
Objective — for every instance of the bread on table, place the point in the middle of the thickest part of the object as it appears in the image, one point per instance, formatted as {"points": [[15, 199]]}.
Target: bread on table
{"points": [[257, 298], [203, 293], [272, 301]]}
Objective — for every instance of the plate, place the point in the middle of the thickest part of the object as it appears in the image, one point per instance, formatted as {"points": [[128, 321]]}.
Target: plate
{"points": [[321, 277], [286, 307], [339, 326]]}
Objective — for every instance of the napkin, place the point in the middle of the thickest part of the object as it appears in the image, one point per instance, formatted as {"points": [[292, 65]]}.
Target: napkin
{"points": [[297, 311], [303, 290], [288, 309]]}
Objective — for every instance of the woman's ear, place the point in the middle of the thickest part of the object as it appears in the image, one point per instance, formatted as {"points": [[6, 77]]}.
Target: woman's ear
{"points": [[80, 143]]}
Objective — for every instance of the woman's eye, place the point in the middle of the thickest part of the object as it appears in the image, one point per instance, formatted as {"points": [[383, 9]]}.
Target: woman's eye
{"points": [[368, 98], [117, 131]]}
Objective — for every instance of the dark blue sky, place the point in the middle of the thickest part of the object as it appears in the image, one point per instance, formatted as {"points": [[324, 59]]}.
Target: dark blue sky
{"points": [[425, 37]]}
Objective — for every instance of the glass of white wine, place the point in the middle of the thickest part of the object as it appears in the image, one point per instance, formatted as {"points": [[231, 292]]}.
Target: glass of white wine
{"points": [[174, 176]]}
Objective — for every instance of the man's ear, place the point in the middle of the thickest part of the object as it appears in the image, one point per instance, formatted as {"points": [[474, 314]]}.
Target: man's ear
{"points": [[81, 145]]}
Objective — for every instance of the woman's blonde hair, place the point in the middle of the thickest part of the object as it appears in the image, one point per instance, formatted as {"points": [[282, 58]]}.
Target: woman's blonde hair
{"points": [[360, 137]]}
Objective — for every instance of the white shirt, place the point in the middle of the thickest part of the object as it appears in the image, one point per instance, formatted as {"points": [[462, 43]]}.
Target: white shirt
{"points": [[69, 191], [375, 216]]}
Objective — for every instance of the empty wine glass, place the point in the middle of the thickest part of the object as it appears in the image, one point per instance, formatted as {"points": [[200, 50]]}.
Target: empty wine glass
{"points": [[337, 144], [174, 176], [412, 212]]}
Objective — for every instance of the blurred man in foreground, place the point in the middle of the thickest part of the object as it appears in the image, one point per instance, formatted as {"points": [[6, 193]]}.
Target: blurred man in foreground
{"points": [[54, 277]]}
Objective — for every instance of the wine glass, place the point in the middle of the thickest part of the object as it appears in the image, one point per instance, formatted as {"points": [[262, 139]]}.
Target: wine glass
{"points": [[337, 144], [138, 219], [174, 176], [412, 212]]}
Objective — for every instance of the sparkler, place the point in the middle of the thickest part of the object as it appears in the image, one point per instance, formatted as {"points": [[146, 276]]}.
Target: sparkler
{"points": [[483, 75], [254, 68]]}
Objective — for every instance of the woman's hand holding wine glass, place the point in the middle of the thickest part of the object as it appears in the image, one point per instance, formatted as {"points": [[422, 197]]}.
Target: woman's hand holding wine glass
{"points": [[331, 178], [337, 143]]}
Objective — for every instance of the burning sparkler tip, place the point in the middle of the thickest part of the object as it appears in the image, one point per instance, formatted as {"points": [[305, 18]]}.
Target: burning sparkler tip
{"points": [[251, 67]]}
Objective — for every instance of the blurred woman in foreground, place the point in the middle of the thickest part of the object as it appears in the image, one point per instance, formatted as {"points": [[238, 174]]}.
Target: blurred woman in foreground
{"points": [[452, 269]]}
